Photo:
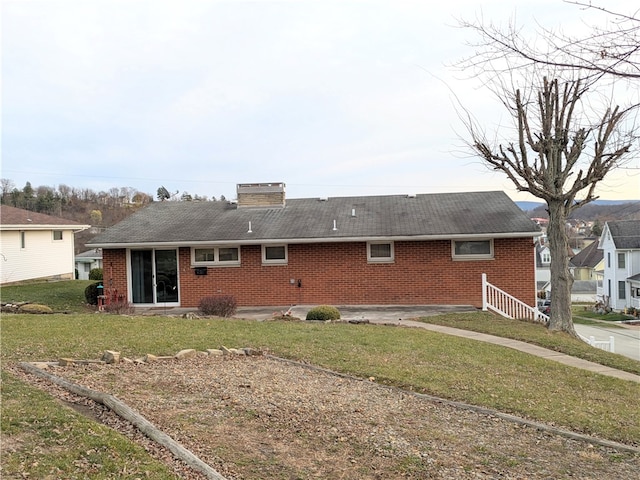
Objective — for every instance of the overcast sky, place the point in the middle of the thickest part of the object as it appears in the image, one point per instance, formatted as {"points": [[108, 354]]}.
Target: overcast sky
{"points": [[333, 98]]}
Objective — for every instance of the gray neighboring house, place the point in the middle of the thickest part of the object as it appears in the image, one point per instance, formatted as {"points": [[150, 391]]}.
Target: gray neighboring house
{"points": [[87, 261]]}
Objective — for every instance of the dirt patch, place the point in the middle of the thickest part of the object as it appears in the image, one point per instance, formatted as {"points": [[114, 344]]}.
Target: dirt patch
{"points": [[260, 418]]}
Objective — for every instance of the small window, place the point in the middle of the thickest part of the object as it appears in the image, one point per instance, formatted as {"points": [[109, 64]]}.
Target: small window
{"points": [[621, 260], [380, 252], [622, 290], [472, 249], [23, 239], [212, 256], [57, 235], [274, 254], [608, 259], [228, 254]]}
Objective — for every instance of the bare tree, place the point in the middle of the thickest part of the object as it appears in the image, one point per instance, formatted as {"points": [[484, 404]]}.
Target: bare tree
{"points": [[611, 50], [558, 155]]}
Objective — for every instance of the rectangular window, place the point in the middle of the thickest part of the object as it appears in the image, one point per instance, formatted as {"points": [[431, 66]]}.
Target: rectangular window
{"points": [[622, 290], [472, 249], [608, 259], [621, 260], [212, 256], [57, 235], [380, 252], [228, 254], [274, 254], [23, 239]]}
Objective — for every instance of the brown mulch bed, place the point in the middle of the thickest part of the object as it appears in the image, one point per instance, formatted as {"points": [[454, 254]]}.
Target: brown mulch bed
{"points": [[256, 417]]}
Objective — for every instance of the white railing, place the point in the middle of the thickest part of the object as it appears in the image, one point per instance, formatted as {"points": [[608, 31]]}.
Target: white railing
{"points": [[506, 305], [607, 345]]}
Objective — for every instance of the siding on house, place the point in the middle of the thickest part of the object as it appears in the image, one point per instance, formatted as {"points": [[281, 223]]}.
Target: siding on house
{"points": [[620, 238], [41, 257]]}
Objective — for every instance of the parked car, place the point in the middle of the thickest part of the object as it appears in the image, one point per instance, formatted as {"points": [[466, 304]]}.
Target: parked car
{"points": [[544, 306]]}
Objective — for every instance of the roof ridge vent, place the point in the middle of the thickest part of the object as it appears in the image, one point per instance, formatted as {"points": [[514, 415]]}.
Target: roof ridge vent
{"points": [[411, 195]]}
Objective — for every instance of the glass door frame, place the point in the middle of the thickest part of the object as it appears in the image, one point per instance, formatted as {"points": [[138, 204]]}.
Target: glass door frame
{"points": [[154, 278]]}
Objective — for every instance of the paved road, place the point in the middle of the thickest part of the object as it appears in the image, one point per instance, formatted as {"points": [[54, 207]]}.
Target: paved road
{"points": [[626, 339]]}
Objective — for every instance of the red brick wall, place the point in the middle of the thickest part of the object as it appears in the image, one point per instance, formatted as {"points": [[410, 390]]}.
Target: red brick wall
{"points": [[114, 273], [338, 274]]}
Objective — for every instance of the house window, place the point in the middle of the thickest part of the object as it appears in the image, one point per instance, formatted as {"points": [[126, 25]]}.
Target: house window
{"points": [[621, 260], [380, 252], [87, 267], [57, 235], [274, 254], [472, 249], [215, 256], [622, 290], [23, 239], [608, 259], [546, 256]]}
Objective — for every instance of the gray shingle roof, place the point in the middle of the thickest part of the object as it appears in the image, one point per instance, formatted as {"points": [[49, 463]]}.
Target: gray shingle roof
{"points": [[312, 219], [589, 256], [625, 233]]}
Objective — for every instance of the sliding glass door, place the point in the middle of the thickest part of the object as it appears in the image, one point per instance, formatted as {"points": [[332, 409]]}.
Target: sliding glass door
{"points": [[154, 276]]}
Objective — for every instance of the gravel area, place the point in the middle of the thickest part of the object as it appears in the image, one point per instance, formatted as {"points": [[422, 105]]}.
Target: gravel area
{"points": [[256, 417]]}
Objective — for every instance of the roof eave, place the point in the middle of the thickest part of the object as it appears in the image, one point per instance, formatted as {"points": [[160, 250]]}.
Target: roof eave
{"points": [[261, 241], [30, 226]]}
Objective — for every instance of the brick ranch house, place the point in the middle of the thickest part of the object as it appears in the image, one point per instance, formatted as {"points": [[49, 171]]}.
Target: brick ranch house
{"points": [[266, 250]]}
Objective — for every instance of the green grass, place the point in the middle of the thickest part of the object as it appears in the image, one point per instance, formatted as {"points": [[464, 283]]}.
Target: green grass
{"points": [[42, 439], [65, 296], [423, 361], [607, 317]]}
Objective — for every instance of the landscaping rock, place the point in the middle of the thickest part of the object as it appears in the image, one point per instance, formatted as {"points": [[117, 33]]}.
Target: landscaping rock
{"points": [[214, 351], [109, 356], [186, 353], [35, 308]]}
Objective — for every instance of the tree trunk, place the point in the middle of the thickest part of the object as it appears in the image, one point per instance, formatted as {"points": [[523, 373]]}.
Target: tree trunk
{"points": [[561, 278]]}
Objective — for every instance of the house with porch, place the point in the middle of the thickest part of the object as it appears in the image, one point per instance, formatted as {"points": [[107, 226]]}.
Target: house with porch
{"points": [[620, 244], [35, 246], [267, 250]]}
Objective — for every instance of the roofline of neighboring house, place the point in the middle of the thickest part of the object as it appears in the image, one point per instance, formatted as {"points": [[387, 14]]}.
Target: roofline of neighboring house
{"points": [[29, 226], [484, 236]]}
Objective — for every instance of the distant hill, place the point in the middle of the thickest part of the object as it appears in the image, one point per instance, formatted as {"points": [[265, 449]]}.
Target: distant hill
{"points": [[603, 210]]}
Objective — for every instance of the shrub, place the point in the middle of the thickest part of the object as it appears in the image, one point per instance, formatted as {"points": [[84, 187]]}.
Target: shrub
{"points": [[219, 305], [119, 308], [91, 293], [323, 312], [95, 274]]}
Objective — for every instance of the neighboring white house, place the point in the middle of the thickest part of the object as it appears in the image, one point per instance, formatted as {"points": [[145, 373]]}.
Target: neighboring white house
{"points": [[620, 243], [35, 246], [87, 261]]}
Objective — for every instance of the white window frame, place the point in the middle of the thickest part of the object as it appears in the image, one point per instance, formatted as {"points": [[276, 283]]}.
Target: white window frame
{"points": [[622, 260], [389, 259], [216, 256], [472, 256], [53, 235], [275, 261]]}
